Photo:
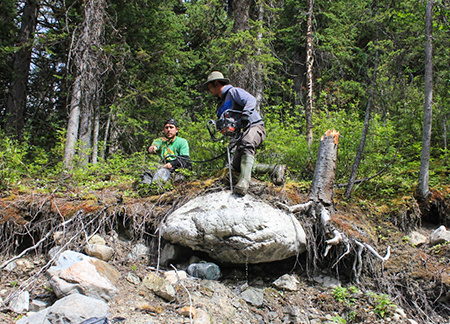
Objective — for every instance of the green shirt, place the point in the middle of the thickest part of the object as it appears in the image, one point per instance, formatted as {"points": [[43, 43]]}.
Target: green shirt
{"points": [[168, 151]]}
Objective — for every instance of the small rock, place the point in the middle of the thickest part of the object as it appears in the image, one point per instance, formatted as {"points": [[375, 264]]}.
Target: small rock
{"points": [[139, 252], [417, 239], [99, 251], [37, 305], [159, 286], [201, 317], [58, 237], [396, 317], [400, 312], [11, 266], [132, 278], [174, 276], [287, 282], [24, 264], [331, 282], [97, 239], [187, 311], [439, 236], [253, 296], [327, 281], [20, 303]]}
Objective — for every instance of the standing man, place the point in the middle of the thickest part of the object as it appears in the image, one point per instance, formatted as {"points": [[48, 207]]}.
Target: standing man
{"points": [[172, 149], [252, 125]]}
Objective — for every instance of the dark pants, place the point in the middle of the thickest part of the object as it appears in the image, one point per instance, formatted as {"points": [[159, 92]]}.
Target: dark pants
{"points": [[251, 139]]}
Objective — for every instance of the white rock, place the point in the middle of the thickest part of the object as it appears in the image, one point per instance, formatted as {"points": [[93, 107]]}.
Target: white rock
{"points": [[235, 229], [440, 235], [287, 282], [20, 303]]}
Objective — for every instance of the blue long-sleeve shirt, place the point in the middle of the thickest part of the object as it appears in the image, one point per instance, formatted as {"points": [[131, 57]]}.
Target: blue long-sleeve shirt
{"points": [[239, 99]]}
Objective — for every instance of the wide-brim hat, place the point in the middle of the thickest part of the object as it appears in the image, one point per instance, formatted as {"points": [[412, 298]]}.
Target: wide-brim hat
{"points": [[215, 76]]}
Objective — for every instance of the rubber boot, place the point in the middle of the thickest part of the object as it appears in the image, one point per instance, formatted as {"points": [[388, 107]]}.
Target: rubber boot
{"points": [[277, 171], [245, 176]]}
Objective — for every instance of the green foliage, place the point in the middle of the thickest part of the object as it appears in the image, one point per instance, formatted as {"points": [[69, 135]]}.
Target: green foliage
{"points": [[341, 294], [12, 167], [283, 144], [339, 319], [382, 304]]}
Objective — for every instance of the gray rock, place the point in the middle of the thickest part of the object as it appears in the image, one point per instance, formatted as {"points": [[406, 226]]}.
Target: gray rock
{"points": [[78, 273], [20, 303], [253, 296], [36, 318], [327, 281], [132, 278], [287, 282], [139, 252], [439, 236], [72, 309], [37, 305], [77, 308], [235, 229]]}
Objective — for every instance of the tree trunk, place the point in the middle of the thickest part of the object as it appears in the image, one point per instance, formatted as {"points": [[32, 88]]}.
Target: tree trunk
{"points": [[324, 174], [239, 71], [73, 124], [299, 72], [85, 97], [364, 132], [444, 126], [258, 79], [309, 74], [17, 99], [95, 138], [423, 189]]}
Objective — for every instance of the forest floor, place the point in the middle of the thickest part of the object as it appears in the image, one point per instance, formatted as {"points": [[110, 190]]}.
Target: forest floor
{"points": [[416, 278]]}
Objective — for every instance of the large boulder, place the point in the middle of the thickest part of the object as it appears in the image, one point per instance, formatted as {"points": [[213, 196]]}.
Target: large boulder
{"points": [[234, 229]]}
